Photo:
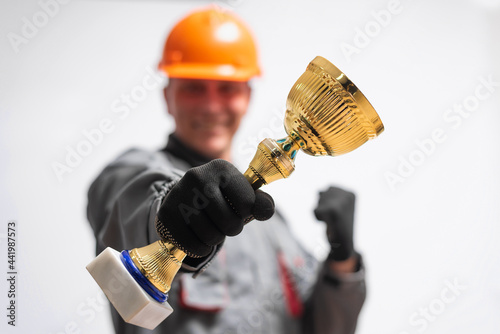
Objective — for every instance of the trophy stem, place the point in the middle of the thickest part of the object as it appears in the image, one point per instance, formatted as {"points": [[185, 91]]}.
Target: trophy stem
{"points": [[253, 178], [273, 160]]}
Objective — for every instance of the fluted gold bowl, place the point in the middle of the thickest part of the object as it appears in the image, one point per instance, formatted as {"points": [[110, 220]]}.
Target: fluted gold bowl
{"points": [[326, 114]]}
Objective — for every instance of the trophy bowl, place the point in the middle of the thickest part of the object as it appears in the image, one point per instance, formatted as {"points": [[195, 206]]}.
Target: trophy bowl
{"points": [[326, 114]]}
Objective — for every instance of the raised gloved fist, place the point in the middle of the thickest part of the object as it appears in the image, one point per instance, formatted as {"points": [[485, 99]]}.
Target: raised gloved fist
{"points": [[208, 203], [336, 209]]}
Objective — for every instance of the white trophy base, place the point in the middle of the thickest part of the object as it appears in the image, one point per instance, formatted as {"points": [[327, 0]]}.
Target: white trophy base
{"points": [[134, 304]]}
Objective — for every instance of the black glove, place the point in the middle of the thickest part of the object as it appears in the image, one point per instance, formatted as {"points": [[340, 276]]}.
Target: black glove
{"points": [[208, 203], [336, 209]]}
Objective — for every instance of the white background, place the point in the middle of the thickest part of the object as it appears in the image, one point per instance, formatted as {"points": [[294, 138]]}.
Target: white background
{"points": [[439, 224]]}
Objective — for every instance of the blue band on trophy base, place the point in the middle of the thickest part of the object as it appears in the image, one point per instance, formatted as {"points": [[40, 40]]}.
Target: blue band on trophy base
{"points": [[141, 279]]}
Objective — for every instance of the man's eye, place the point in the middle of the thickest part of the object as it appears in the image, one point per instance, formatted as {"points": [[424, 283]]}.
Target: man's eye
{"points": [[228, 89], [193, 89]]}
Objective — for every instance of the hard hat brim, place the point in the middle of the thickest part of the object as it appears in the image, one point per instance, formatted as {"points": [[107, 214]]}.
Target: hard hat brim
{"points": [[209, 72]]}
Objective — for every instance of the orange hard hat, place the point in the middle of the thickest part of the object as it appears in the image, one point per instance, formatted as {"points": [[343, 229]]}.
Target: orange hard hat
{"points": [[211, 43]]}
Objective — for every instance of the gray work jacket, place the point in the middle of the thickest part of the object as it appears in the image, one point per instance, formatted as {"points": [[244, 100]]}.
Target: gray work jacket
{"points": [[261, 281]]}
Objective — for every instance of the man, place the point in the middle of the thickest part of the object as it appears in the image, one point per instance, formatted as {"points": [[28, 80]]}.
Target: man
{"points": [[259, 281]]}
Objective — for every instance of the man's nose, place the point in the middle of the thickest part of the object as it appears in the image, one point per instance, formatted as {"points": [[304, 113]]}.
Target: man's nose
{"points": [[214, 101]]}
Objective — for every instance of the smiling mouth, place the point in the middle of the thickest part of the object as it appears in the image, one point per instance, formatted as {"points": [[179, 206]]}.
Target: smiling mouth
{"points": [[211, 126]]}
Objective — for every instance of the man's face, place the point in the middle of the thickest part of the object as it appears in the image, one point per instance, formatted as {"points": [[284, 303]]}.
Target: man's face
{"points": [[207, 113]]}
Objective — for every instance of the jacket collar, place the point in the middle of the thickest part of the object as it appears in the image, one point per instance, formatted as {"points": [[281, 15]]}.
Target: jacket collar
{"points": [[177, 148]]}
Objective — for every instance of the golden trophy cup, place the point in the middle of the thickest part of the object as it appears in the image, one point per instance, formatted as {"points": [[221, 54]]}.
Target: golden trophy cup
{"points": [[326, 114]]}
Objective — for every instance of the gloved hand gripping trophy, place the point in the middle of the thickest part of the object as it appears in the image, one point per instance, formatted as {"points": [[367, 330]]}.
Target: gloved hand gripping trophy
{"points": [[210, 202], [326, 115]]}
